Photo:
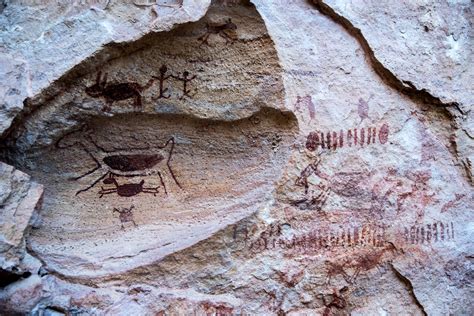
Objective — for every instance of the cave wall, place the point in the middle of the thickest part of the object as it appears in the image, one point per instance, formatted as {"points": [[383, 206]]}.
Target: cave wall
{"points": [[236, 157]]}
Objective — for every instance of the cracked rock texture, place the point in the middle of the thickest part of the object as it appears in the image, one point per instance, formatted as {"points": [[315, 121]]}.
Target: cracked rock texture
{"points": [[236, 157]]}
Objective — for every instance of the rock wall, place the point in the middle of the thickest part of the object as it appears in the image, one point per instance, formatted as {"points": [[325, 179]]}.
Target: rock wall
{"points": [[236, 157]]}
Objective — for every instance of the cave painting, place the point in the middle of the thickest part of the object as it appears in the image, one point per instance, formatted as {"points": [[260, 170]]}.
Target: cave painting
{"points": [[117, 92], [131, 162], [161, 79], [359, 262], [305, 102], [185, 78], [225, 30], [313, 199], [363, 108], [428, 233], [334, 140], [132, 90], [125, 216]]}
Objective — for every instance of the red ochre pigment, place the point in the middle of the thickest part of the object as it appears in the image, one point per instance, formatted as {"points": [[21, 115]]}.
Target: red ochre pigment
{"points": [[354, 137]]}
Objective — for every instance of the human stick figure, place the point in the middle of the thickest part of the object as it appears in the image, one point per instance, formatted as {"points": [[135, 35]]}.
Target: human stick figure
{"points": [[125, 215], [161, 79], [185, 78]]}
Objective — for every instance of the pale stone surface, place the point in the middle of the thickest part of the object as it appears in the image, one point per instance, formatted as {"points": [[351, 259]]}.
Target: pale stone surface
{"points": [[426, 45], [19, 200], [303, 176]]}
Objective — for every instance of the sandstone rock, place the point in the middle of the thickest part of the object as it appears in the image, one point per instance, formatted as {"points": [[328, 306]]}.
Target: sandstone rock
{"points": [[300, 158], [420, 43], [421, 48], [20, 198]]}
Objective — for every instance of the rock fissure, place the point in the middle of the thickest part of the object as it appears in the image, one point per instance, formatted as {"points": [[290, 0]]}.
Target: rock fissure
{"points": [[403, 86], [410, 288], [419, 96]]}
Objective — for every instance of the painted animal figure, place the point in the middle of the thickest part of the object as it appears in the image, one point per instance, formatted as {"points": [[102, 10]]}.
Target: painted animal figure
{"points": [[334, 269], [307, 102], [126, 190], [117, 92], [125, 216], [366, 262], [302, 180], [131, 162], [313, 202], [361, 262], [363, 108], [221, 29]]}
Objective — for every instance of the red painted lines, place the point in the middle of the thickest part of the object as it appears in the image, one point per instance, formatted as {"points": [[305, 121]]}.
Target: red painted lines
{"points": [[352, 137]]}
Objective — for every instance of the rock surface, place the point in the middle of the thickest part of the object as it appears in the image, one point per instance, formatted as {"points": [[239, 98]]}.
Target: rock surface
{"points": [[20, 199], [235, 157]]}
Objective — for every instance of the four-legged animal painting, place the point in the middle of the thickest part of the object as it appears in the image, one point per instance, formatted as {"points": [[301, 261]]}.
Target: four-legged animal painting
{"points": [[117, 92]]}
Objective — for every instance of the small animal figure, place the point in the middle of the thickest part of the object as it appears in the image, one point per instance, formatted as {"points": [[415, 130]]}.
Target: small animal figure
{"points": [[452, 203], [161, 79], [117, 92], [125, 216], [224, 30], [311, 201], [185, 79], [368, 261], [126, 190], [334, 269]]}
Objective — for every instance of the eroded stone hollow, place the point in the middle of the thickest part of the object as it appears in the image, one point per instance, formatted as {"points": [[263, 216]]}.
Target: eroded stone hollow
{"points": [[155, 183], [223, 67], [152, 147]]}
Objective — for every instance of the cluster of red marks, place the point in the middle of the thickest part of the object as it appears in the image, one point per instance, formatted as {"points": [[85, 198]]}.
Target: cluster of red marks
{"points": [[290, 279], [367, 235], [452, 203], [428, 233], [218, 309], [334, 140], [337, 301], [352, 266]]}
